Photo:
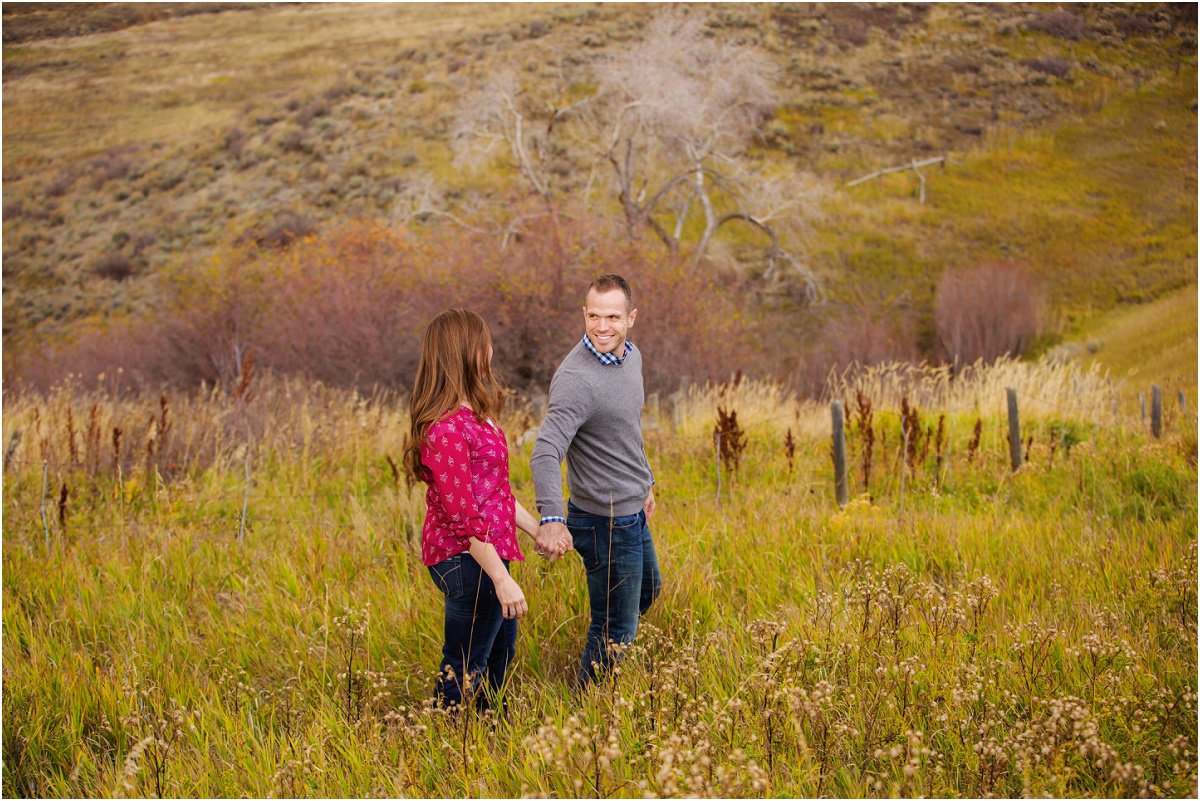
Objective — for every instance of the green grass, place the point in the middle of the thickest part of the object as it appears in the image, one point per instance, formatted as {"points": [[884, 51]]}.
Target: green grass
{"points": [[1035, 632], [1150, 344], [1101, 206]]}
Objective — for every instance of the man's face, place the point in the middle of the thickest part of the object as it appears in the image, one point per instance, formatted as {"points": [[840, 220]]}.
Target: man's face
{"points": [[607, 320]]}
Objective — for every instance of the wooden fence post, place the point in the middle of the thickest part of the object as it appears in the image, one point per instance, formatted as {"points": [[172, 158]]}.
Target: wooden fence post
{"points": [[1182, 402], [839, 452], [1142, 406], [676, 400], [537, 406], [1156, 410], [246, 500], [45, 522], [1014, 431]]}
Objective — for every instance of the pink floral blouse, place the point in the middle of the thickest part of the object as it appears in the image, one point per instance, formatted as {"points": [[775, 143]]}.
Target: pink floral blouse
{"points": [[465, 464]]}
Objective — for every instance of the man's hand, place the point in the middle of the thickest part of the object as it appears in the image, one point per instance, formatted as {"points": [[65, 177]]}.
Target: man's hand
{"points": [[553, 540], [650, 505]]}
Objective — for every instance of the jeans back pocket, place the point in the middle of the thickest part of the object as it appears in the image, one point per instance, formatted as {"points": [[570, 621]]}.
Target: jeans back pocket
{"points": [[447, 575]]}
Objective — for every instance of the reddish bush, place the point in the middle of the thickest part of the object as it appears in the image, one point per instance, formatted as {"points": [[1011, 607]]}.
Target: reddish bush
{"points": [[281, 232], [1049, 65], [872, 329], [1061, 24], [986, 312], [851, 31], [1133, 25], [114, 265], [349, 307]]}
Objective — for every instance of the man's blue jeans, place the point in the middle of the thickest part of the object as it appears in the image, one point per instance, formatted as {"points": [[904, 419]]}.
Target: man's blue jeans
{"points": [[623, 580], [479, 641]]}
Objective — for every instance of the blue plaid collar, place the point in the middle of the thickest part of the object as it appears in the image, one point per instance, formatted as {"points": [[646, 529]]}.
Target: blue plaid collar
{"points": [[608, 358]]}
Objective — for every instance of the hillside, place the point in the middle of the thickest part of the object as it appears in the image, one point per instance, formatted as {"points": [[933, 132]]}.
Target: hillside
{"points": [[1071, 136]]}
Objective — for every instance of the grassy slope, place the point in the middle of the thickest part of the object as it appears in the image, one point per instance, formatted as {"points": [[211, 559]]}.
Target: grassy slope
{"points": [[1150, 344], [1076, 176], [1100, 202]]}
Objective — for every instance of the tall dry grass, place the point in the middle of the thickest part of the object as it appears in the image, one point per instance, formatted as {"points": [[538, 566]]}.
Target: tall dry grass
{"points": [[961, 631]]}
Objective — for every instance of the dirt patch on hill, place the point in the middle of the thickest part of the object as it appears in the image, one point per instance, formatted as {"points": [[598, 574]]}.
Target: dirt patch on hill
{"points": [[27, 22]]}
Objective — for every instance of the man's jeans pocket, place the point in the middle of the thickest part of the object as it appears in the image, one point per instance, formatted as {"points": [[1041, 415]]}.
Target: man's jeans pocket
{"points": [[448, 576]]}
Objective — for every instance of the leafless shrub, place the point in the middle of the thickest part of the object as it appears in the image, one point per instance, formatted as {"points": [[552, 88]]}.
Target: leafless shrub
{"points": [[851, 31], [281, 232], [235, 142], [963, 63], [1057, 66], [114, 266], [870, 329], [108, 167], [338, 91], [310, 112], [1135, 25], [986, 312], [347, 308], [1061, 24], [294, 141], [63, 181]]}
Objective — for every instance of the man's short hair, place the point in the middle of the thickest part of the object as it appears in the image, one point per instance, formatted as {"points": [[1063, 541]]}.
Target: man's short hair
{"points": [[610, 281]]}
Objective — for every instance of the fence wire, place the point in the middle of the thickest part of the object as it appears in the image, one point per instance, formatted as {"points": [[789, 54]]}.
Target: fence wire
{"points": [[45, 513]]}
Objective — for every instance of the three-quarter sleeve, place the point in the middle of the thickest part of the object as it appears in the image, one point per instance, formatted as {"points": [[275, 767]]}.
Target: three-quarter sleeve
{"points": [[447, 455]]}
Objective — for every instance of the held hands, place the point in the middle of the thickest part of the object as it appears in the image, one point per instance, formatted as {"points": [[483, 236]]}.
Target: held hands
{"points": [[553, 540]]}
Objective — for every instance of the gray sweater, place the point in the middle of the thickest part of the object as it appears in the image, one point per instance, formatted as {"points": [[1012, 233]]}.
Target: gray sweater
{"points": [[595, 422]]}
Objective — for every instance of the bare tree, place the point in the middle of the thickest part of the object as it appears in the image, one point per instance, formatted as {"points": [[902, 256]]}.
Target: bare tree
{"points": [[677, 109], [669, 120], [503, 118], [421, 198]]}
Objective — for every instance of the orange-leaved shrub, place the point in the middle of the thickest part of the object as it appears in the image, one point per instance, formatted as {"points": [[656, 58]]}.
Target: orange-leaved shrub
{"points": [[348, 307]]}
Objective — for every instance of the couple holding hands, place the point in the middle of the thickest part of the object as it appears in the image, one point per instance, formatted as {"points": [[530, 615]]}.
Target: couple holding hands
{"points": [[469, 537]]}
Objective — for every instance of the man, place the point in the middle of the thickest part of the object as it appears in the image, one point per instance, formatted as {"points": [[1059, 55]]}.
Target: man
{"points": [[594, 421]]}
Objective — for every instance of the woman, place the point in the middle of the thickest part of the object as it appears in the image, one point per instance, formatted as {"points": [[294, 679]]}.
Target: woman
{"points": [[469, 537]]}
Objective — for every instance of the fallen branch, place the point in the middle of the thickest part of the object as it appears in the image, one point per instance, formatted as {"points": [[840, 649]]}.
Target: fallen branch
{"points": [[914, 165]]}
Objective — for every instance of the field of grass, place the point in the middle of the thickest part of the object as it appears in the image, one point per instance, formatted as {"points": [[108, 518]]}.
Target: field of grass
{"points": [[956, 630], [219, 592]]}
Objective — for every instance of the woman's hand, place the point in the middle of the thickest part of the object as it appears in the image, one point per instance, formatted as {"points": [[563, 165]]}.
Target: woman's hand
{"points": [[511, 599]]}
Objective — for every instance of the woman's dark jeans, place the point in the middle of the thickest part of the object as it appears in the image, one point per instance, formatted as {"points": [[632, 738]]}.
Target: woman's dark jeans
{"points": [[479, 641], [623, 580]]}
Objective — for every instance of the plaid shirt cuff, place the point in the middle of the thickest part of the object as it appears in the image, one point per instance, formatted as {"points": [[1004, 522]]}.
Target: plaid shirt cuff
{"points": [[553, 519]]}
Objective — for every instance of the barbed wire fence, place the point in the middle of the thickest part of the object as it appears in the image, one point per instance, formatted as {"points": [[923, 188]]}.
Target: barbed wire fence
{"points": [[167, 501]]}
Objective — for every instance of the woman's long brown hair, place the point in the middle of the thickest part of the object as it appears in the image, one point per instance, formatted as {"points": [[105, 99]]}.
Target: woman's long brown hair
{"points": [[455, 366]]}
